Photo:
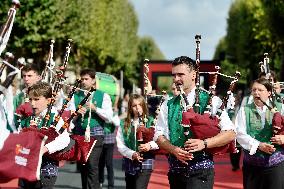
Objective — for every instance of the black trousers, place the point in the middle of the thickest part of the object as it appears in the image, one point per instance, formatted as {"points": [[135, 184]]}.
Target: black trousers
{"points": [[138, 181], [263, 177], [106, 159], [90, 171], [200, 179], [45, 182]]}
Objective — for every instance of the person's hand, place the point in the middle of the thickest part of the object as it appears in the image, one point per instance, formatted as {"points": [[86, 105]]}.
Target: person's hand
{"points": [[277, 139], [144, 147], [136, 156], [182, 155], [267, 148], [194, 145], [82, 110], [91, 106]]}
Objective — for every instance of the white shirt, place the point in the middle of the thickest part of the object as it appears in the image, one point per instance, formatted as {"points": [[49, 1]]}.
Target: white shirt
{"points": [[162, 127], [123, 149], [61, 141], [4, 132], [244, 139], [105, 112]]}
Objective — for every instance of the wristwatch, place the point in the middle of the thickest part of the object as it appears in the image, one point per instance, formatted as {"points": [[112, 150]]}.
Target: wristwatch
{"points": [[205, 143]]}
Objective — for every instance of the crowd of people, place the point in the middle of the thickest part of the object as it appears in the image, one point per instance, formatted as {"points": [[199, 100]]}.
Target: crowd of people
{"points": [[100, 118]]}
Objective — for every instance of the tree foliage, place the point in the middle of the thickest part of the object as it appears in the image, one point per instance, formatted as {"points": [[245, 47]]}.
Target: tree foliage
{"points": [[248, 38], [104, 33]]}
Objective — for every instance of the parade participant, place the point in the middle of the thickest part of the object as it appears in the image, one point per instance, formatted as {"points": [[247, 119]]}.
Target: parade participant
{"points": [[30, 75], [90, 123], [236, 157], [106, 158], [190, 166], [138, 162], [39, 96], [26, 164], [263, 162]]}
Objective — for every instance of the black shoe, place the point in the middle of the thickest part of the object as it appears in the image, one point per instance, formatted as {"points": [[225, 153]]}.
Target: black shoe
{"points": [[235, 169]]}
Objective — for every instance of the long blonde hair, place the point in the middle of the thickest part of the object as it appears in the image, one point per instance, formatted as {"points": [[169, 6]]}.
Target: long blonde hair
{"points": [[130, 114]]}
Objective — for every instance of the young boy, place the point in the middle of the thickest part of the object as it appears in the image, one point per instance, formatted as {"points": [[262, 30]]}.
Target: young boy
{"points": [[39, 96]]}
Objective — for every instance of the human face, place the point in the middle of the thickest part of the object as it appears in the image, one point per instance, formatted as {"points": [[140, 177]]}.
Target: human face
{"points": [[277, 88], [87, 81], [38, 103], [182, 75], [174, 90], [30, 77], [137, 108], [258, 92]]}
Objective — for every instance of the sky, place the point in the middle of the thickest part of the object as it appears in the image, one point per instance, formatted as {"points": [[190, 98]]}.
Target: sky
{"points": [[173, 25]]}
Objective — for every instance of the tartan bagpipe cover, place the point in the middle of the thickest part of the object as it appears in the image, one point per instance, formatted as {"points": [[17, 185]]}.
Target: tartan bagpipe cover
{"points": [[204, 126], [21, 156]]}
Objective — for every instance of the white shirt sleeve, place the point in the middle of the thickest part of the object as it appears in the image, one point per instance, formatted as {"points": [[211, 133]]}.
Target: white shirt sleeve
{"points": [[59, 143], [161, 127], [282, 109], [225, 121], [3, 136], [106, 111], [245, 140], [122, 148], [71, 104], [115, 120], [153, 145]]}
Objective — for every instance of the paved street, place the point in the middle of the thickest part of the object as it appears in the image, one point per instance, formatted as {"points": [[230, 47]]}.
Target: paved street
{"points": [[225, 178], [68, 178]]}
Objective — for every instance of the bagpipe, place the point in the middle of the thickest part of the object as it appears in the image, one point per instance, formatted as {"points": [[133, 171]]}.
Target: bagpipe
{"points": [[48, 73], [146, 134], [9, 57], [278, 119], [204, 125], [79, 149], [20, 156], [7, 27]]}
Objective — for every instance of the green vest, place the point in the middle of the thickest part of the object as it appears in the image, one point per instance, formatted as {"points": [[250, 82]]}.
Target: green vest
{"points": [[176, 130], [95, 119], [254, 125], [129, 137], [109, 128], [25, 122], [18, 100]]}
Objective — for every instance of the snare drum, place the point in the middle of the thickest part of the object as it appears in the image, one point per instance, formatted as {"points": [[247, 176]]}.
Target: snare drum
{"points": [[108, 84]]}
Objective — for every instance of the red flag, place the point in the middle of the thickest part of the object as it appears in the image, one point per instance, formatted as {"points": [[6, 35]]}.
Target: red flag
{"points": [[21, 156]]}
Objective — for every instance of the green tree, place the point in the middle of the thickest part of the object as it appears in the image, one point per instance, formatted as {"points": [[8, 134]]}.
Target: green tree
{"points": [[247, 39], [274, 18], [104, 33]]}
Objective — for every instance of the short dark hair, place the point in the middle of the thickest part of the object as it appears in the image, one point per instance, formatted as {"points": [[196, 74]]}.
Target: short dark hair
{"points": [[264, 82], [31, 67], [272, 75], [185, 60], [40, 89], [90, 72]]}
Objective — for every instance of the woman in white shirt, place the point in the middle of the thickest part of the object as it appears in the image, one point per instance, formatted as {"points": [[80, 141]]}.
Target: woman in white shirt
{"points": [[263, 163]]}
